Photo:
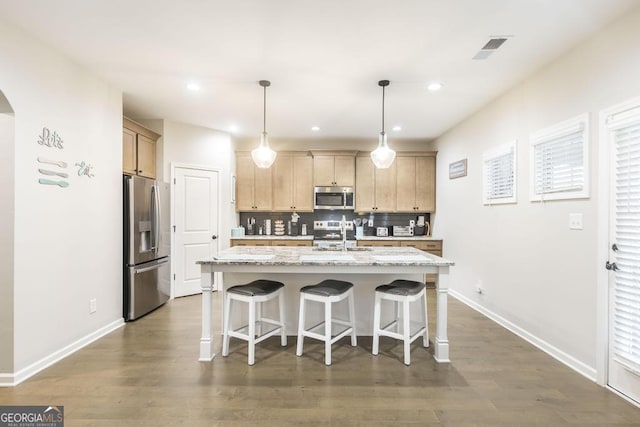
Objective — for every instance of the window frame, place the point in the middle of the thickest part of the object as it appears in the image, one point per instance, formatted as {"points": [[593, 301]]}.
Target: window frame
{"points": [[557, 131], [493, 153]]}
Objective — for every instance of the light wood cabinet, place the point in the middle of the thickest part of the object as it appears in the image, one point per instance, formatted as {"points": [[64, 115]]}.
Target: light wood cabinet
{"points": [[253, 242], [292, 243], [129, 152], [138, 149], [263, 242], [416, 182], [375, 188], [334, 168], [293, 182], [379, 243], [431, 246], [253, 185]]}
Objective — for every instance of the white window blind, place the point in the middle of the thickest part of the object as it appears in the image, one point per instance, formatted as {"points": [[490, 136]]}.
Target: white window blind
{"points": [[499, 175], [559, 161], [625, 134]]}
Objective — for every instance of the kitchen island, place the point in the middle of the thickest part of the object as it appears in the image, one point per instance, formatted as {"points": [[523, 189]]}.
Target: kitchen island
{"points": [[299, 266]]}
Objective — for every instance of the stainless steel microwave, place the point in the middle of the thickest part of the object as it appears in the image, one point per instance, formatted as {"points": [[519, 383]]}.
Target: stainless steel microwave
{"points": [[333, 198]]}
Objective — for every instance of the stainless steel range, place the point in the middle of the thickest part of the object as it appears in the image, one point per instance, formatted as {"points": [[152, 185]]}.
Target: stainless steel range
{"points": [[328, 234]]}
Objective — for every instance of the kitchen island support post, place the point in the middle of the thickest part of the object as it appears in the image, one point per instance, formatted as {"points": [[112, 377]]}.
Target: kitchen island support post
{"points": [[441, 351], [206, 339]]}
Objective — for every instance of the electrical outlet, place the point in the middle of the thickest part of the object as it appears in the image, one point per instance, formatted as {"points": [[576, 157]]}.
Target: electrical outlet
{"points": [[479, 288], [93, 306], [575, 221]]}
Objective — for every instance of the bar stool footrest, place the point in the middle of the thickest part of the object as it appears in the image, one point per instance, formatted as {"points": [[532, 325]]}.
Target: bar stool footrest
{"points": [[238, 333]]}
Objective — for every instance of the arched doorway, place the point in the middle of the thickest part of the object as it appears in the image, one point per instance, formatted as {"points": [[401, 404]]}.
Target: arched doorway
{"points": [[7, 196]]}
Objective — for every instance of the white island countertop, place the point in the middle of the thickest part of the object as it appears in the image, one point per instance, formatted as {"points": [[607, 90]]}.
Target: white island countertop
{"points": [[272, 256]]}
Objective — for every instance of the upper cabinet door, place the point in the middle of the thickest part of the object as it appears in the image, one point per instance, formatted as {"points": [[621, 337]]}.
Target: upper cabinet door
{"points": [[303, 183], [426, 184], [334, 169], [283, 183], [406, 184], [129, 160], [146, 157], [244, 182], [293, 183], [385, 189], [262, 189], [365, 187], [323, 171], [344, 171]]}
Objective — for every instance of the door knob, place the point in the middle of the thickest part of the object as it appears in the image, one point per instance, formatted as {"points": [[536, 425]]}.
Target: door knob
{"points": [[214, 237], [614, 247]]}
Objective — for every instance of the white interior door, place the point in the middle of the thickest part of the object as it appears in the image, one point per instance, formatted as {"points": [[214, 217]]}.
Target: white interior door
{"points": [[623, 130], [196, 225]]}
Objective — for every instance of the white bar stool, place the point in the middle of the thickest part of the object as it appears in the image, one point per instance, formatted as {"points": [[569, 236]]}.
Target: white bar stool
{"points": [[254, 293], [327, 292], [405, 292]]}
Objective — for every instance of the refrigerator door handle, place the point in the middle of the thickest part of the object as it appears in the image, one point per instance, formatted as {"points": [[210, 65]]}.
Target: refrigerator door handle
{"points": [[153, 267], [155, 226]]}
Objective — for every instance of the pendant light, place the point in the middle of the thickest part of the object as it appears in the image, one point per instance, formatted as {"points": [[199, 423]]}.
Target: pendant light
{"points": [[263, 156], [383, 156]]}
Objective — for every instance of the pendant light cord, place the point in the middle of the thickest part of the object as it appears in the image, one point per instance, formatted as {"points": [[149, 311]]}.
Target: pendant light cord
{"points": [[383, 108], [264, 111]]}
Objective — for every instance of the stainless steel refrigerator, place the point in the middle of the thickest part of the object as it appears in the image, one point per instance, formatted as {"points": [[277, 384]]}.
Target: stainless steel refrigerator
{"points": [[147, 244]]}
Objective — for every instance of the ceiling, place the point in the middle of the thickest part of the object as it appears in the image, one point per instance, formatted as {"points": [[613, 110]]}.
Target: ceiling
{"points": [[323, 58]]}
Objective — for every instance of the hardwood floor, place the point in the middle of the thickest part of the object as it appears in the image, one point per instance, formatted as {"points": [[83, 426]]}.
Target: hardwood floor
{"points": [[147, 374]]}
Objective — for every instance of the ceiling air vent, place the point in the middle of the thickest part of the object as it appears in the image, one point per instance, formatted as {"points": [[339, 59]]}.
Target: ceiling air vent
{"points": [[491, 46]]}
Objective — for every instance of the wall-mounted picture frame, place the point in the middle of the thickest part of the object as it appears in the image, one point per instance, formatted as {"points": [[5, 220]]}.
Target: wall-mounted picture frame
{"points": [[458, 169]]}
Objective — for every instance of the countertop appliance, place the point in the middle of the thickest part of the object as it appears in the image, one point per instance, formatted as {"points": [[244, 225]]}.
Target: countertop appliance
{"points": [[382, 231], [146, 246], [333, 198], [327, 234], [402, 230]]}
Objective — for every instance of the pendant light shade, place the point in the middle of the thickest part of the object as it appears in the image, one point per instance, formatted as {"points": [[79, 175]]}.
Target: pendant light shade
{"points": [[383, 156], [263, 156]]}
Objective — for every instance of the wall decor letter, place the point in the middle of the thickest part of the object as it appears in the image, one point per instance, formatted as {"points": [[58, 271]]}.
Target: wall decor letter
{"points": [[49, 139]]}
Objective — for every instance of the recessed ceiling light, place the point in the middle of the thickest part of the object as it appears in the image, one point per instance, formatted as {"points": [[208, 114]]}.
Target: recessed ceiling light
{"points": [[434, 86], [193, 86], [315, 128], [397, 128], [233, 128]]}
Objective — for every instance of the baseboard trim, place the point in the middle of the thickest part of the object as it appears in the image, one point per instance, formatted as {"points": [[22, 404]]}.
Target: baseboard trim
{"points": [[573, 363], [12, 380]]}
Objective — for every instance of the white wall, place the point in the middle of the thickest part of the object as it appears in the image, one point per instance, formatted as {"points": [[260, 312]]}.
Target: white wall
{"points": [[6, 237], [68, 244], [195, 145], [539, 276]]}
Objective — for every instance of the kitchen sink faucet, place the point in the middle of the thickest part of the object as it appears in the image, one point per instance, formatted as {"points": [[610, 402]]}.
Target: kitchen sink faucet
{"points": [[343, 231]]}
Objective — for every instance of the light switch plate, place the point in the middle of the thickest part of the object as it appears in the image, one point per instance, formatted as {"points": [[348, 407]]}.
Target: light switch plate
{"points": [[575, 221]]}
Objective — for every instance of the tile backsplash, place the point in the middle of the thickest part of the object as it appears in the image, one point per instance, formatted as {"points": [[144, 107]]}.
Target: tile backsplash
{"points": [[379, 219]]}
